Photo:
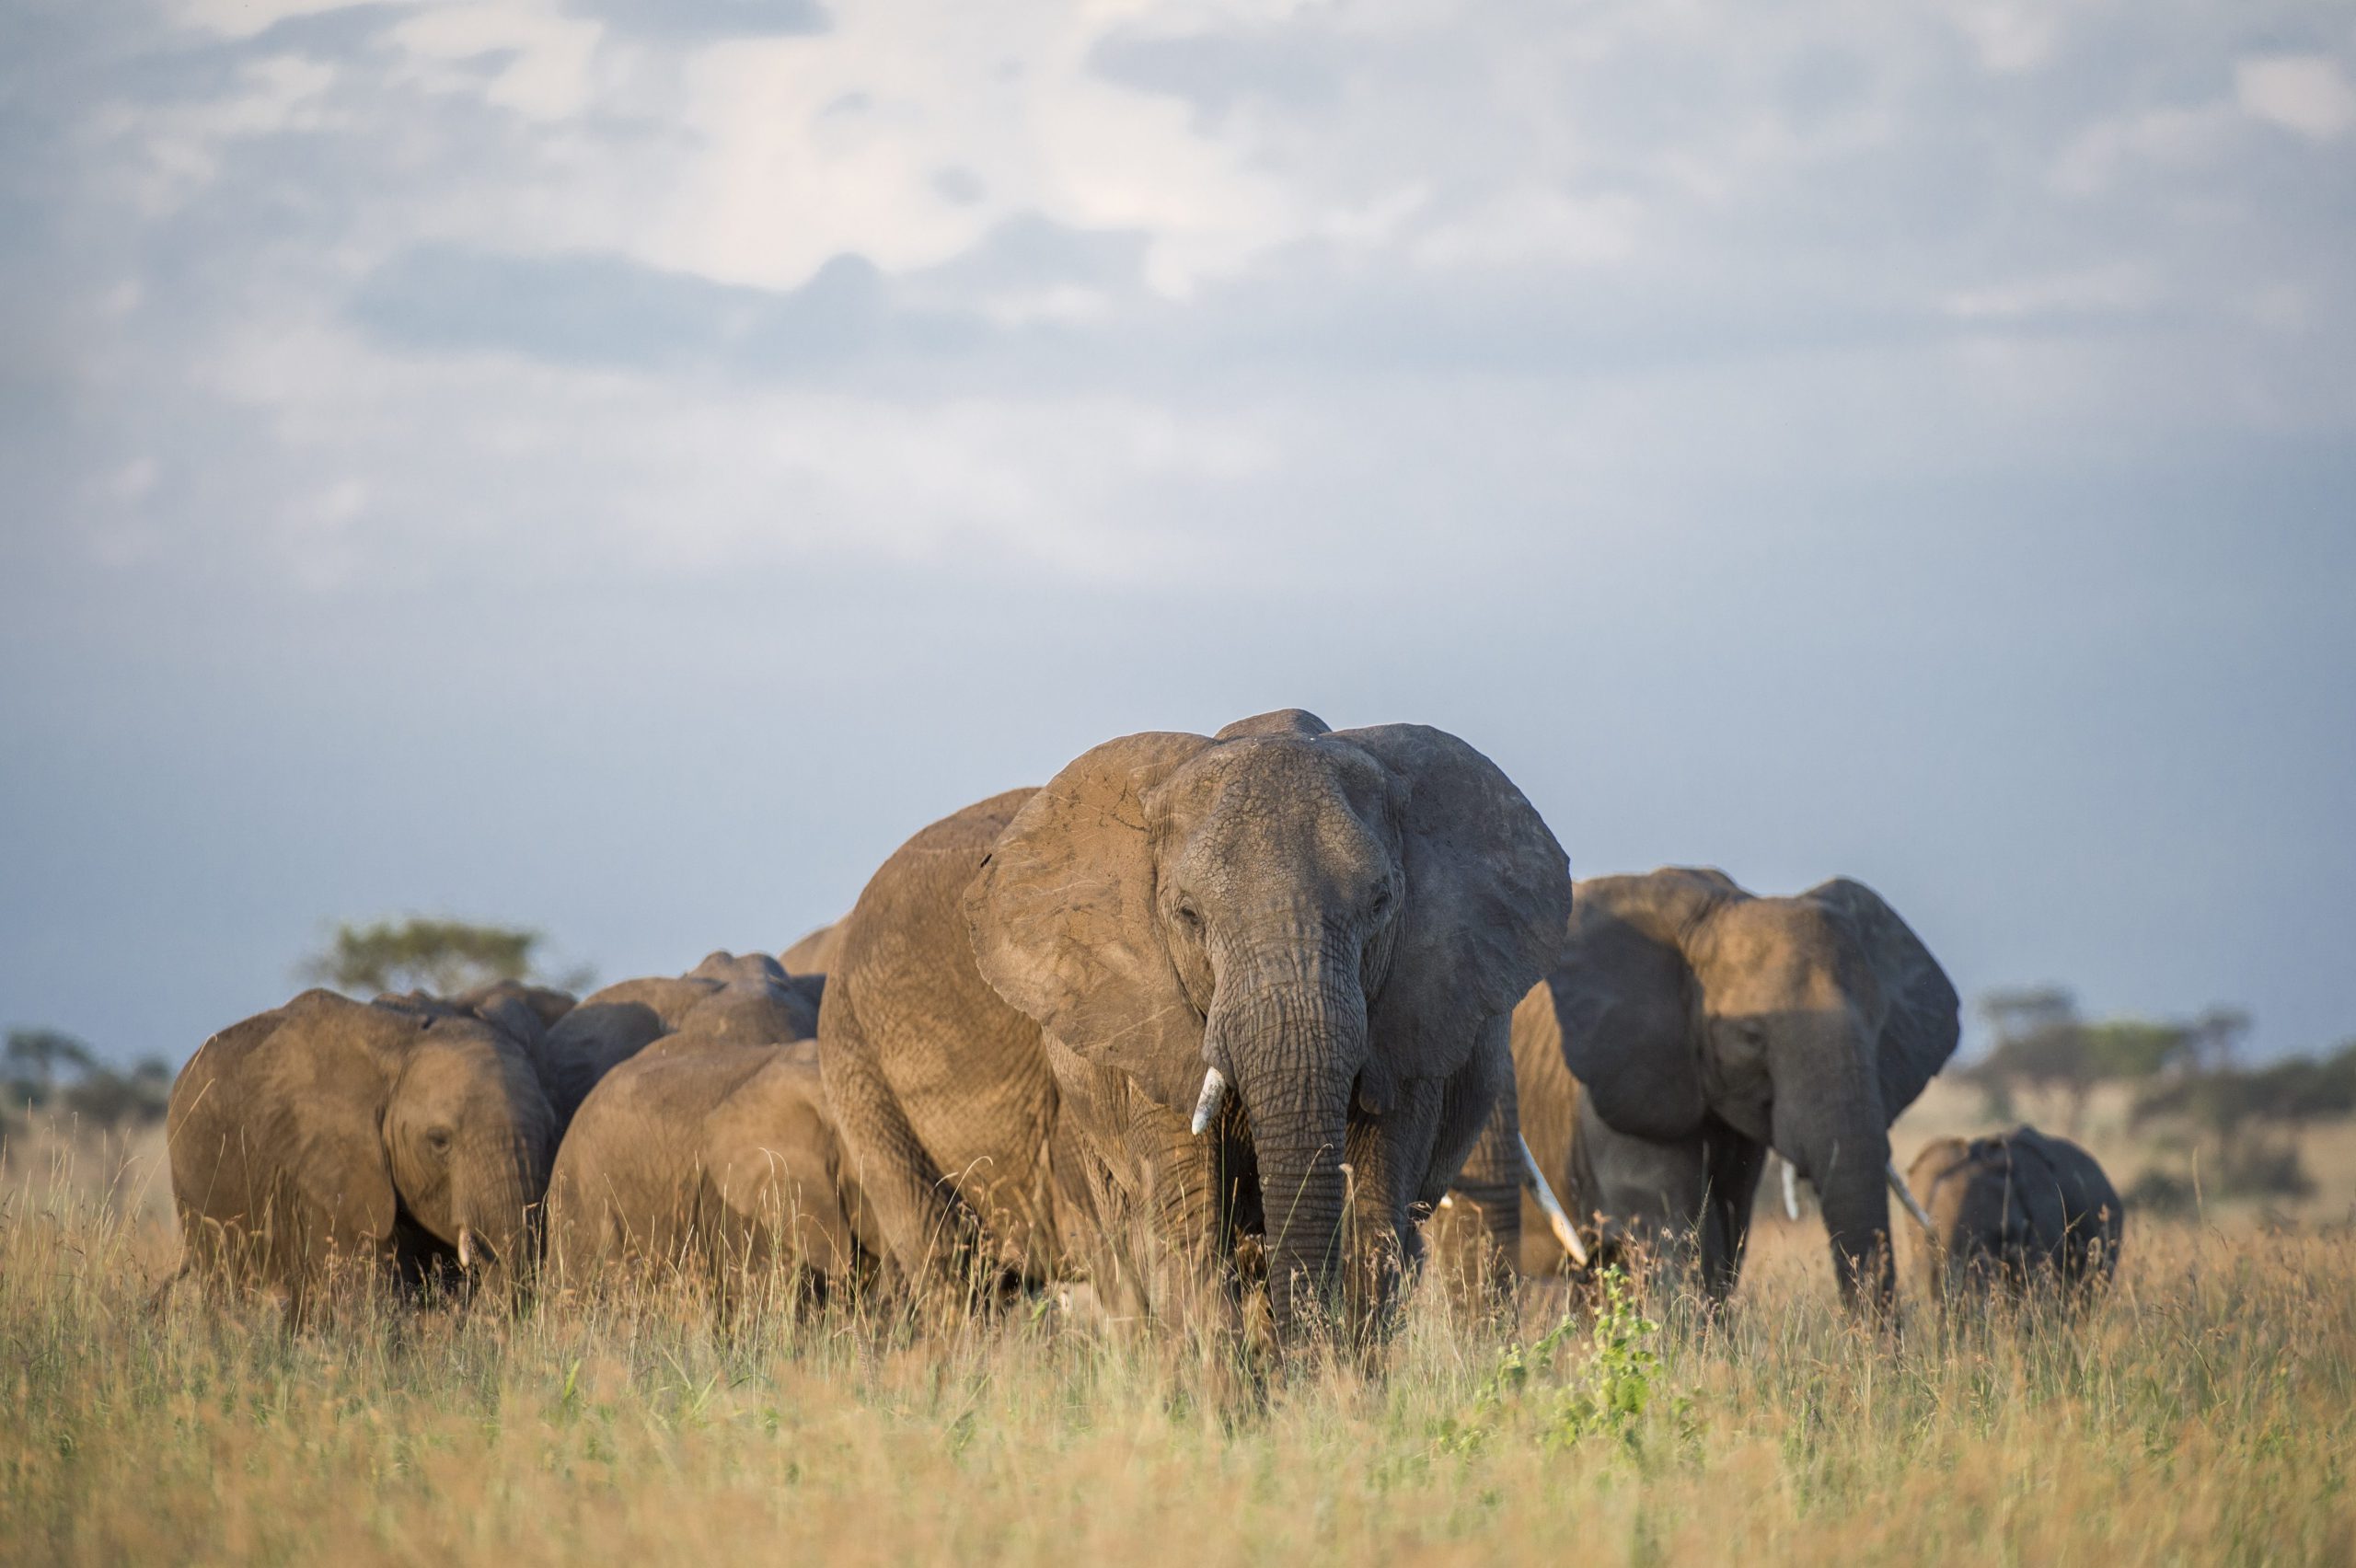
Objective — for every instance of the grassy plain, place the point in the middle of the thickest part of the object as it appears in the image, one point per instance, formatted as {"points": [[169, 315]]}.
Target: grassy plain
{"points": [[2206, 1413]]}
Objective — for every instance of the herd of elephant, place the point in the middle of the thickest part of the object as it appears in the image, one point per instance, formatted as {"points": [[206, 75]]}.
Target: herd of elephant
{"points": [[1242, 1024]]}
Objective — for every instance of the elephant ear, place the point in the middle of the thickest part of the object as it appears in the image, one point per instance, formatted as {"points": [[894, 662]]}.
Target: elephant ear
{"points": [[1488, 891], [1064, 927], [1623, 996], [319, 1088], [1921, 1016]]}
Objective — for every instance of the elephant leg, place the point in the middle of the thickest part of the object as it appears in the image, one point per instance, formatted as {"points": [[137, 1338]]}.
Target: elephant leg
{"points": [[924, 1226], [1736, 1164], [1481, 1248], [1390, 1174], [1648, 1194], [1178, 1226], [1475, 1237]]}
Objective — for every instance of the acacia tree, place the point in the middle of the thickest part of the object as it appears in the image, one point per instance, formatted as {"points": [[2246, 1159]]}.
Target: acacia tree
{"points": [[440, 956], [2042, 1040]]}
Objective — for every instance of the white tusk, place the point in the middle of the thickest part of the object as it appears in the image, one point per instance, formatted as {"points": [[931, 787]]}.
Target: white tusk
{"points": [[1906, 1196], [1791, 1189], [465, 1247], [1214, 1095], [1557, 1220]]}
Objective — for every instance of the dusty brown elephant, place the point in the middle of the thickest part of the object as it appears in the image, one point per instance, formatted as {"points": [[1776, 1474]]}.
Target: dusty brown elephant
{"points": [[610, 1026], [524, 1011], [1194, 988], [2013, 1212], [1688, 1026], [815, 954], [710, 1156], [401, 1136]]}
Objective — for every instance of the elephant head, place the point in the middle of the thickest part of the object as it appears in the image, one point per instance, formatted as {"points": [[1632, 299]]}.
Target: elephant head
{"points": [[1804, 1023], [403, 1131], [1329, 928]]}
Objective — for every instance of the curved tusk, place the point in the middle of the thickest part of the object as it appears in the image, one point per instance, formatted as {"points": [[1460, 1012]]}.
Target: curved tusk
{"points": [[465, 1247], [1214, 1095], [1557, 1221], [1906, 1196], [1791, 1189]]}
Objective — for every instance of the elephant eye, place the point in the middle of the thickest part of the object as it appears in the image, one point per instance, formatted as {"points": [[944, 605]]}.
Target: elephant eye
{"points": [[438, 1140], [1188, 916]]}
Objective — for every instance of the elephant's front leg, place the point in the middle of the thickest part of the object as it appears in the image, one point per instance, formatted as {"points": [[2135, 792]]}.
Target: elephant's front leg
{"points": [[1651, 1197], [1400, 1162], [930, 1236], [1475, 1237], [1139, 1191], [1180, 1228]]}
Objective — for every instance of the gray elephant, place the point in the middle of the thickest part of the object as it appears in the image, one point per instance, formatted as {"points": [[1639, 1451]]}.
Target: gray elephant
{"points": [[2013, 1211], [612, 1025], [712, 1155], [1195, 989], [1688, 1026], [401, 1136]]}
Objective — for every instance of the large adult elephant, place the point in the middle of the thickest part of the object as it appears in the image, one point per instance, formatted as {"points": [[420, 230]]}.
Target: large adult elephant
{"points": [[399, 1136], [2012, 1211], [1194, 988], [1688, 1026]]}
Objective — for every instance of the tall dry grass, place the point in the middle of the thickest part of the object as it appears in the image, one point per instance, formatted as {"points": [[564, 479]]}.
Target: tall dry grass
{"points": [[2202, 1414]]}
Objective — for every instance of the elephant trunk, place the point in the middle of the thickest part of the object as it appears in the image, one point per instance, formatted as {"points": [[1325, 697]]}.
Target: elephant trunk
{"points": [[1850, 1175], [496, 1208], [1293, 1047]]}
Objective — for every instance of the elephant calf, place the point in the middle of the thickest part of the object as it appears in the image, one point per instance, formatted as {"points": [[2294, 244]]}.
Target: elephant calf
{"points": [[713, 1156], [397, 1135], [2013, 1210]]}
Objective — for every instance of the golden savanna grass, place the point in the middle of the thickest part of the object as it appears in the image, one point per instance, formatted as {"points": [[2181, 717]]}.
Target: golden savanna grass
{"points": [[2204, 1413]]}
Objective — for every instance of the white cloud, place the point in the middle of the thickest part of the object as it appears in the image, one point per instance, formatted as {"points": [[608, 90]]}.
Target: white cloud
{"points": [[2109, 290], [244, 18], [1526, 228], [2305, 93], [1635, 233], [2174, 137], [546, 59], [2009, 35]]}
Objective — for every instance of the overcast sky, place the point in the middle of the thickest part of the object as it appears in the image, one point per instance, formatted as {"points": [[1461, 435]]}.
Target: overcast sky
{"points": [[622, 466]]}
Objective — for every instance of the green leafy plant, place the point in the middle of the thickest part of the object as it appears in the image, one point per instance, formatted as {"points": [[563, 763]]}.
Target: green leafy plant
{"points": [[1566, 1397]]}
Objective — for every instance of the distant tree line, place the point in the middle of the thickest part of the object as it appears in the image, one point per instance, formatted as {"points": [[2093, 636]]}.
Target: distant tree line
{"points": [[44, 1070], [49, 1071], [2235, 1122]]}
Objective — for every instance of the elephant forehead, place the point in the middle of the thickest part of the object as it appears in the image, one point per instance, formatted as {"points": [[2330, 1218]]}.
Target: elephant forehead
{"points": [[1297, 792], [455, 1072], [1775, 956]]}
